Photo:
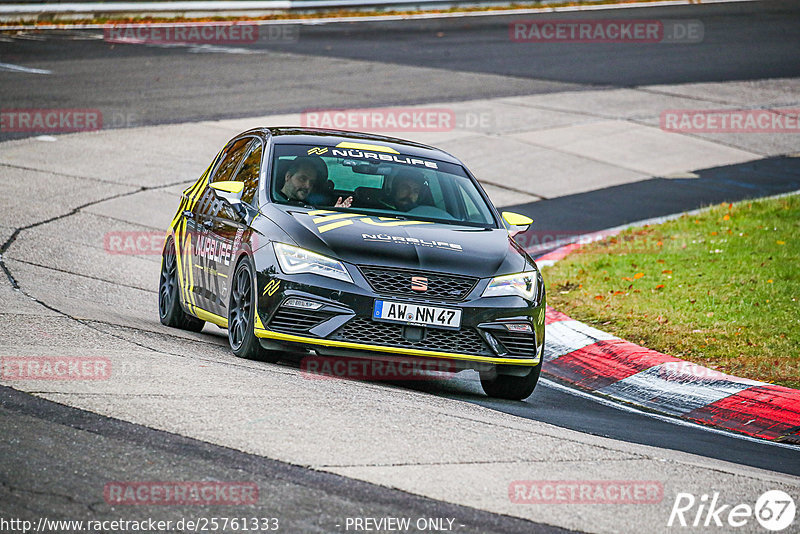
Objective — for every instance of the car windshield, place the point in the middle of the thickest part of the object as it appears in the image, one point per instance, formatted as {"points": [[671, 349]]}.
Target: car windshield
{"points": [[376, 180]]}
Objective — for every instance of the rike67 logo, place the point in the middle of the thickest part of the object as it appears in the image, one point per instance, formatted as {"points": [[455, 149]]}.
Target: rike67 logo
{"points": [[774, 510]]}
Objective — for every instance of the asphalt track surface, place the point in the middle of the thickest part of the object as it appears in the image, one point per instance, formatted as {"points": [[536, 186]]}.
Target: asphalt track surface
{"points": [[351, 65], [471, 58], [304, 500]]}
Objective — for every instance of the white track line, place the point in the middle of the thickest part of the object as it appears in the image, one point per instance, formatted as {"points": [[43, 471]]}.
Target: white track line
{"points": [[681, 422], [19, 68]]}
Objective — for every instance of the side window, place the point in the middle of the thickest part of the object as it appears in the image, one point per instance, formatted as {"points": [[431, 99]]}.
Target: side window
{"points": [[233, 154], [250, 171]]}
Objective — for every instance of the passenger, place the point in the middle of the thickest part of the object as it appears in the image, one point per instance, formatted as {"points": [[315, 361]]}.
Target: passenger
{"points": [[406, 189], [404, 195]]}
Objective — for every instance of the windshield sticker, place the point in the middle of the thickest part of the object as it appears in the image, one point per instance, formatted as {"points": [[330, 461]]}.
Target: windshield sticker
{"points": [[362, 154], [387, 238], [318, 151]]}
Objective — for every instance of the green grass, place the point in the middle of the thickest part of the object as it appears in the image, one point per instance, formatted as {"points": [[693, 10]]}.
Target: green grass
{"points": [[721, 288]]}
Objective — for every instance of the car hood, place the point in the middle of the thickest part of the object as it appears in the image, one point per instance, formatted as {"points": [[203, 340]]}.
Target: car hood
{"points": [[371, 240]]}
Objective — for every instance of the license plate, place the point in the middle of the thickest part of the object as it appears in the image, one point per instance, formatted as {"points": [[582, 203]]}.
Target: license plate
{"points": [[403, 312]]}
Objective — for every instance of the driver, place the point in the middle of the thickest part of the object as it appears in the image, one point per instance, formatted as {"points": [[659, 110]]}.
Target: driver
{"points": [[303, 176]]}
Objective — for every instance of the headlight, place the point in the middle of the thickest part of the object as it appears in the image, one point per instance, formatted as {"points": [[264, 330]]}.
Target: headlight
{"points": [[294, 260], [525, 285]]}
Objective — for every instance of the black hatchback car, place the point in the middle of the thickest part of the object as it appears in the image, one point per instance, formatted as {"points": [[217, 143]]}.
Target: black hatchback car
{"points": [[351, 244]]}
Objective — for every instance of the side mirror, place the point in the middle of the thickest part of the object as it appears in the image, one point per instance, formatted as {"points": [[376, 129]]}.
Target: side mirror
{"points": [[516, 223], [231, 192]]}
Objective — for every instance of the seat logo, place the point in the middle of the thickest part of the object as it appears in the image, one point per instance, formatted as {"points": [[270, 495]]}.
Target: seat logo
{"points": [[316, 150], [419, 283]]}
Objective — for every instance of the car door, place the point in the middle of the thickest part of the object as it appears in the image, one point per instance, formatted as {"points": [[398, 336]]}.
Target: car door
{"points": [[231, 228], [210, 251]]}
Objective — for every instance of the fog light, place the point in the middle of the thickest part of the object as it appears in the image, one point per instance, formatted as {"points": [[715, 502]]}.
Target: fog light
{"points": [[494, 344], [519, 327], [302, 304]]}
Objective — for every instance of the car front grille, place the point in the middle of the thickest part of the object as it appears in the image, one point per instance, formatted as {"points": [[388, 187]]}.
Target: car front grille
{"points": [[297, 321], [517, 344], [387, 281], [360, 330]]}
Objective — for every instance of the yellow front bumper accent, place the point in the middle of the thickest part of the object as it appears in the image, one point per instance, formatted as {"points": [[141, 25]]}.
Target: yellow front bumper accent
{"points": [[268, 334]]}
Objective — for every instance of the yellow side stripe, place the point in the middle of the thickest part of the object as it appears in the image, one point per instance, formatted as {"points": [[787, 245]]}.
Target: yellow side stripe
{"points": [[190, 291], [179, 260], [211, 317]]}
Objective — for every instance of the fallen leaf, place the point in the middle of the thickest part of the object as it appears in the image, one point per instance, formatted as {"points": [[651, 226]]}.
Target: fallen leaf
{"points": [[666, 271], [638, 275], [598, 297], [627, 278]]}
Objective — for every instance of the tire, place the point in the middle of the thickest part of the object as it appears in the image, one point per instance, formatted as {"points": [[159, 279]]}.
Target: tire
{"points": [[170, 310], [511, 387], [241, 315]]}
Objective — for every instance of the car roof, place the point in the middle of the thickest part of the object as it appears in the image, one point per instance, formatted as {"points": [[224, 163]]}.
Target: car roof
{"points": [[320, 136]]}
